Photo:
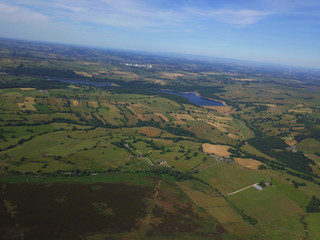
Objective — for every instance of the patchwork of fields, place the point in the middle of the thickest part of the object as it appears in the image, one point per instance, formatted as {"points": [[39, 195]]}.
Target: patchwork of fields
{"points": [[142, 164]]}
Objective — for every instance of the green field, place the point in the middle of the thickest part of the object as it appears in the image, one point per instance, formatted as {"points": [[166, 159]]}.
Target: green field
{"points": [[245, 131], [64, 141], [309, 145]]}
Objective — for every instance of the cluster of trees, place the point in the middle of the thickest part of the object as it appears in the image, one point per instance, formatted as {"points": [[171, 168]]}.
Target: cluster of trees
{"points": [[178, 176], [260, 108], [262, 184], [268, 143], [2, 137], [298, 184], [153, 145], [249, 219], [297, 161], [314, 134], [234, 152], [179, 131], [302, 176], [276, 148], [313, 205], [65, 173], [126, 145], [278, 166]]}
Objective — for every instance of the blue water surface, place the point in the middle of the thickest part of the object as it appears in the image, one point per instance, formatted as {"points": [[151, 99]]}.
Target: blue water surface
{"points": [[194, 98]]}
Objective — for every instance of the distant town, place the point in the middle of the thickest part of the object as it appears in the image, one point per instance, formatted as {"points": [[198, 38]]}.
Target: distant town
{"points": [[138, 65]]}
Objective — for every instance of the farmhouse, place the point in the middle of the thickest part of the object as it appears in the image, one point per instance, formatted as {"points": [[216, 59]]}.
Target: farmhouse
{"points": [[258, 187]]}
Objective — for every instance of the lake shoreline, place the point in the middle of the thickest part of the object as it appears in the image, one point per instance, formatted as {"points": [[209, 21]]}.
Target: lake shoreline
{"points": [[215, 102]]}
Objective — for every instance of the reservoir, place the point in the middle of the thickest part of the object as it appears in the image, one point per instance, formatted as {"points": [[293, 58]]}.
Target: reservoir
{"points": [[191, 96], [194, 98], [76, 81]]}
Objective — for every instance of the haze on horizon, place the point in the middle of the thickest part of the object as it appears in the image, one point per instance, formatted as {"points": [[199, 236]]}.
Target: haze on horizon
{"points": [[275, 31]]}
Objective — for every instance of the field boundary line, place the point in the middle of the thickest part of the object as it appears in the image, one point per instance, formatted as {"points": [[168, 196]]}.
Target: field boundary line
{"points": [[242, 189], [211, 165], [258, 231]]}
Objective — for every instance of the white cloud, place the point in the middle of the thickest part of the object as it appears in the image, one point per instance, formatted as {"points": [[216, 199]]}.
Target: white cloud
{"points": [[69, 7], [238, 17], [136, 14], [142, 14], [17, 14]]}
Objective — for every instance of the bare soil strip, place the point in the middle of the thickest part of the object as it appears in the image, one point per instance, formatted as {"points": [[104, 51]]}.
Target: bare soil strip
{"points": [[148, 160], [241, 189]]}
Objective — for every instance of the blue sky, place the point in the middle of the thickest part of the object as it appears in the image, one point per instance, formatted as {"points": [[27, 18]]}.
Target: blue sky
{"points": [[275, 31]]}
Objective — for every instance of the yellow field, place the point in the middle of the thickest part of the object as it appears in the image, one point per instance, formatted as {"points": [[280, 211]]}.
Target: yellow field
{"points": [[75, 103], [149, 131], [27, 89], [233, 136], [291, 142], [211, 73], [140, 117], [222, 109], [139, 108], [160, 82], [172, 75], [218, 126], [93, 104], [248, 162], [182, 117], [162, 116], [27, 104], [219, 150], [112, 108], [29, 100], [271, 105], [148, 117], [83, 74]]}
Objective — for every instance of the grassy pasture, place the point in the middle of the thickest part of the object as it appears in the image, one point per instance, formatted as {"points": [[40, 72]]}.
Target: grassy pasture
{"points": [[231, 177], [249, 149], [245, 131], [204, 164], [207, 131], [279, 209], [312, 221], [271, 208], [100, 158], [218, 207], [309, 145]]}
